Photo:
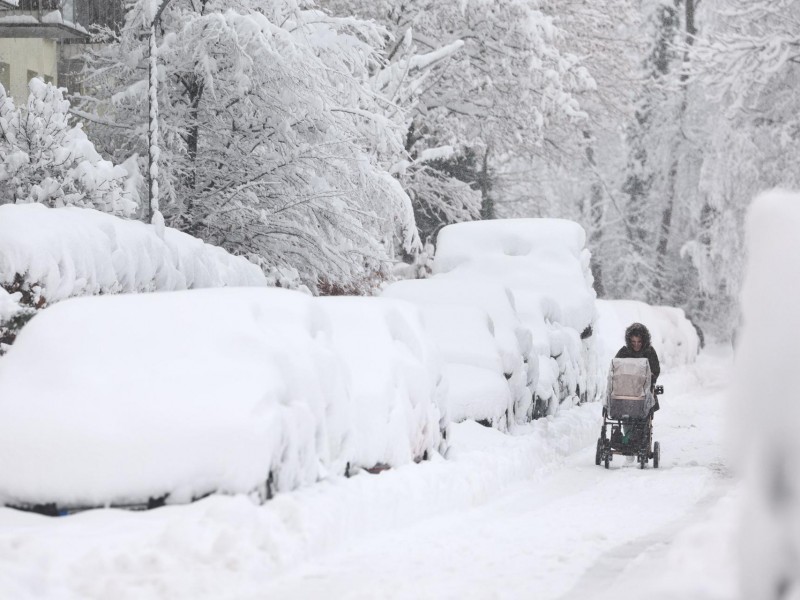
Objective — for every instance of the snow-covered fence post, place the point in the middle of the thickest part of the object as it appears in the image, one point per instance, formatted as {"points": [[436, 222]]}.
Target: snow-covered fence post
{"points": [[153, 150]]}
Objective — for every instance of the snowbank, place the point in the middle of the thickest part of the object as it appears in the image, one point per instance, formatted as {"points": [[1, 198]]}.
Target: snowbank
{"points": [[13, 316], [546, 266], [672, 334], [64, 252], [227, 547], [767, 403], [482, 342], [119, 399]]}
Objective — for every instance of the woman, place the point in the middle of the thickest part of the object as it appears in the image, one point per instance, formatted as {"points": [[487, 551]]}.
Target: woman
{"points": [[637, 345]]}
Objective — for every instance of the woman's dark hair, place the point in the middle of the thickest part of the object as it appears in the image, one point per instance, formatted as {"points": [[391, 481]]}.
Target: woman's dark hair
{"points": [[638, 330]]}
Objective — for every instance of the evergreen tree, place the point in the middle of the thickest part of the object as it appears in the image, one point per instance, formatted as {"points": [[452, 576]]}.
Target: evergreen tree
{"points": [[496, 98]]}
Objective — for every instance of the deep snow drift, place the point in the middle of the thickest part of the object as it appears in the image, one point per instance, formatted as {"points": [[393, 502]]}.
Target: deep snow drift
{"points": [[171, 396]]}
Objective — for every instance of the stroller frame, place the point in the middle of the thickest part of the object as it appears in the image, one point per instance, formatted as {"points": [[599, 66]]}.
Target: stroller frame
{"points": [[628, 437]]}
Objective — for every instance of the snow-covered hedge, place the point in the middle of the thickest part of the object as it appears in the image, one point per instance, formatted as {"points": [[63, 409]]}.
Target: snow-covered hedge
{"points": [[672, 335], [13, 316], [50, 254], [64, 252], [545, 264], [766, 411], [123, 398], [483, 344]]}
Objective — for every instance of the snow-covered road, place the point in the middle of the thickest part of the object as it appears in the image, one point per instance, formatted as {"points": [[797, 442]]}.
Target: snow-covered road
{"points": [[574, 533], [525, 516]]}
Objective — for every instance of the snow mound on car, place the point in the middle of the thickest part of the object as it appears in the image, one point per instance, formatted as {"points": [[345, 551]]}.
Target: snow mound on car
{"points": [[118, 399]]}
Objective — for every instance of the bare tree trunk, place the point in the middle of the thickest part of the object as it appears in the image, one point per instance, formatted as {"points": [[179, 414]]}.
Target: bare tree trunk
{"points": [[665, 228], [595, 219], [487, 202], [194, 89]]}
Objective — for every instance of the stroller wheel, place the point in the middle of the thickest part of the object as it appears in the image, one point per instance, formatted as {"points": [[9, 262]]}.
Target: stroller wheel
{"points": [[599, 454], [656, 454], [607, 460]]}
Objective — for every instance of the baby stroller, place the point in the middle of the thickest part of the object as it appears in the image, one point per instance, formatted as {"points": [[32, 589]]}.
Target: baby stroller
{"points": [[628, 412]]}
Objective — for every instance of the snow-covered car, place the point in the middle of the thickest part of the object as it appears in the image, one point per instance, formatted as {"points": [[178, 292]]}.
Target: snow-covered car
{"points": [[485, 348], [545, 264], [395, 381], [672, 335], [166, 397]]}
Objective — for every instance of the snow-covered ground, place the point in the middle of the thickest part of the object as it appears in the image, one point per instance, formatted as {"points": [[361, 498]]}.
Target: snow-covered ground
{"points": [[505, 516]]}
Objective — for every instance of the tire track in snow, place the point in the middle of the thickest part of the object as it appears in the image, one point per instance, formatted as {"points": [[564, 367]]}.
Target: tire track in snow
{"points": [[611, 568]]}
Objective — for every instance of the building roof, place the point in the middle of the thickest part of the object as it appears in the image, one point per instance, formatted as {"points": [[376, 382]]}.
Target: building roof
{"points": [[15, 23]]}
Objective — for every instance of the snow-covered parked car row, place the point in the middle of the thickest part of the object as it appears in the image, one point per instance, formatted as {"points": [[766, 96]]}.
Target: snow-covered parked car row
{"points": [[142, 399]]}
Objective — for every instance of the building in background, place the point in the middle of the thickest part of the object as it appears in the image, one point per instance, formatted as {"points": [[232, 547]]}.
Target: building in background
{"points": [[45, 38], [92, 14]]}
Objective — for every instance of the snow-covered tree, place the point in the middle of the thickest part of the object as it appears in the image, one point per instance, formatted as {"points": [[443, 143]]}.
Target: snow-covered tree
{"points": [[43, 158], [495, 98], [576, 174], [749, 49], [275, 142], [429, 174], [100, 13], [650, 154], [745, 64]]}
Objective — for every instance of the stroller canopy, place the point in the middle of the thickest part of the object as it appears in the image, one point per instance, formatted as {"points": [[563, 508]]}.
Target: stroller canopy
{"points": [[629, 378], [629, 392]]}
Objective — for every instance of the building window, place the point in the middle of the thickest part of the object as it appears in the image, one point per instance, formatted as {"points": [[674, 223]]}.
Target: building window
{"points": [[32, 74], [39, 4], [5, 76], [70, 76], [47, 78]]}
